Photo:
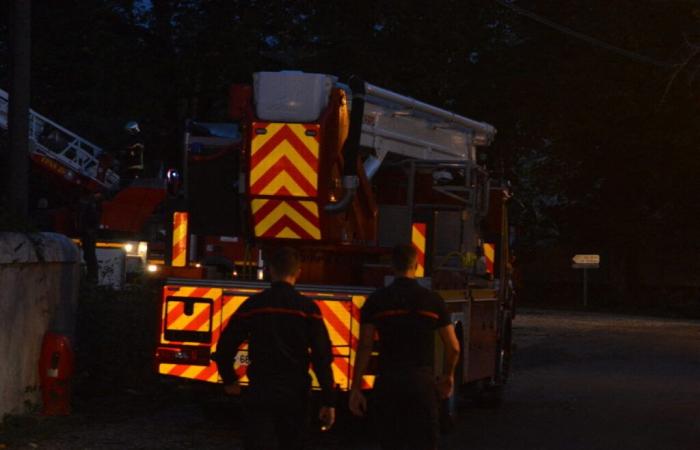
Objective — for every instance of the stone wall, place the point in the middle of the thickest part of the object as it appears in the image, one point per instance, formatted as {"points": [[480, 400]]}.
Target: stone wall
{"points": [[39, 280]]}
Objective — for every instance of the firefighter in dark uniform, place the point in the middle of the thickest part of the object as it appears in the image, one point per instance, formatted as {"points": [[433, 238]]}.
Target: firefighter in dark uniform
{"points": [[89, 212], [132, 163], [405, 316], [285, 332]]}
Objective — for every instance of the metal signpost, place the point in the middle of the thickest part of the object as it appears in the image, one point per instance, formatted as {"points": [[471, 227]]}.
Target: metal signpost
{"points": [[585, 262]]}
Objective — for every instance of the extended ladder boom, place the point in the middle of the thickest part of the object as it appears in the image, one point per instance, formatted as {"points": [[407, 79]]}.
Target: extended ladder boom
{"points": [[64, 152], [405, 126]]}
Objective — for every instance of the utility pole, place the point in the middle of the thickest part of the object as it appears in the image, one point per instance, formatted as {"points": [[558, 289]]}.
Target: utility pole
{"points": [[17, 175]]}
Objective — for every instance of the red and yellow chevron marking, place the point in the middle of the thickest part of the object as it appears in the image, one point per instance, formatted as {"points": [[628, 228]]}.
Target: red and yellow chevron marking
{"points": [[284, 159], [357, 302], [199, 320], [341, 317], [203, 318], [490, 256], [337, 318], [418, 241], [175, 319], [231, 305], [180, 222], [286, 219]]}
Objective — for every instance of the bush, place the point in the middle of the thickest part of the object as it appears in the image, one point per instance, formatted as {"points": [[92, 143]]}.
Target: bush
{"points": [[117, 333]]}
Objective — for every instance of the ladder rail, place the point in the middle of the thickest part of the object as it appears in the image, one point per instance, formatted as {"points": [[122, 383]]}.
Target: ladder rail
{"points": [[63, 145], [395, 123], [484, 133]]}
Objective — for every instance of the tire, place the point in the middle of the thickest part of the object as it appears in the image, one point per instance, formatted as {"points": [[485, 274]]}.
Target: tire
{"points": [[490, 394]]}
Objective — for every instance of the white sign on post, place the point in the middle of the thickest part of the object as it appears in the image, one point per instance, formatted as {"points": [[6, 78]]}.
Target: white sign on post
{"points": [[585, 261]]}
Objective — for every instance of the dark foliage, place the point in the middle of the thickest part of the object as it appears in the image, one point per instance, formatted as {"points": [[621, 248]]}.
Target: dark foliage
{"points": [[117, 332], [599, 143]]}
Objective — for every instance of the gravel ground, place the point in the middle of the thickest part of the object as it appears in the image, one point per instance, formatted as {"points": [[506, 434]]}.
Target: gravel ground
{"points": [[580, 381]]}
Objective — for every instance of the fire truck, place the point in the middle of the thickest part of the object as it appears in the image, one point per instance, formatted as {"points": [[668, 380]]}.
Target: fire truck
{"points": [[67, 169], [341, 172]]}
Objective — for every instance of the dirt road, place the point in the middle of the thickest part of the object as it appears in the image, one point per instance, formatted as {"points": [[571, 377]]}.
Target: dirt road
{"points": [[586, 381], [580, 381]]}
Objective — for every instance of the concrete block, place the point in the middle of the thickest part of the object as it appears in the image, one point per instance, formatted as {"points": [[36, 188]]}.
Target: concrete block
{"points": [[39, 280]]}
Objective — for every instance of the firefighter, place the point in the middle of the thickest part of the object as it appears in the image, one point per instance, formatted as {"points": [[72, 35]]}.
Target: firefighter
{"points": [[280, 326], [132, 163], [89, 212], [405, 315]]}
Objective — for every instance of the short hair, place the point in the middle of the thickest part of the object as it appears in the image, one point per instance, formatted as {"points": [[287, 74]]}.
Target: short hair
{"points": [[285, 262], [404, 257]]}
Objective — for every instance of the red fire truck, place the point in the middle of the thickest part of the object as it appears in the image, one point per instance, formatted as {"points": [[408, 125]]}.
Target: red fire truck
{"points": [[67, 169], [341, 172]]}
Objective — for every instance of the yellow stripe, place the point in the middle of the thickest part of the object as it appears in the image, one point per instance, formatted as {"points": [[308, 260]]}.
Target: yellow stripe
{"points": [[418, 239], [282, 150], [260, 139], [283, 179], [168, 306], [180, 220], [230, 307], [339, 378], [312, 207], [286, 233], [191, 372], [183, 292], [341, 351], [165, 368], [357, 301], [490, 252], [184, 320], [336, 338], [282, 210], [342, 315], [310, 141]]}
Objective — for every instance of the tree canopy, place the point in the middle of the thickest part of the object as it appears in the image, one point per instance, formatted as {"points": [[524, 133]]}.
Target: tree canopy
{"points": [[595, 101]]}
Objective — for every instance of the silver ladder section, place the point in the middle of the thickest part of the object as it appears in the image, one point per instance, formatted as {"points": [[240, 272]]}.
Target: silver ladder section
{"points": [[402, 125], [427, 137], [63, 146]]}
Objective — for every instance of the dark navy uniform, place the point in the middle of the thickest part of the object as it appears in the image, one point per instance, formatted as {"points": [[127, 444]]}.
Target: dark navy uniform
{"points": [[280, 326], [406, 316]]}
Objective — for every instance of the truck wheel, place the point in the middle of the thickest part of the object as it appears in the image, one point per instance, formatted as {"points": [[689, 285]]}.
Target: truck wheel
{"points": [[505, 352], [491, 392]]}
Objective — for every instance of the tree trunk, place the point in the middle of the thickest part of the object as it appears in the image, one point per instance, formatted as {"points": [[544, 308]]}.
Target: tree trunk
{"points": [[17, 177]]}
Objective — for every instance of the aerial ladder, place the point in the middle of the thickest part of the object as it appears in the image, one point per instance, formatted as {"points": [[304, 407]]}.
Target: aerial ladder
{"points": [[62, 153], [342, 173]]}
